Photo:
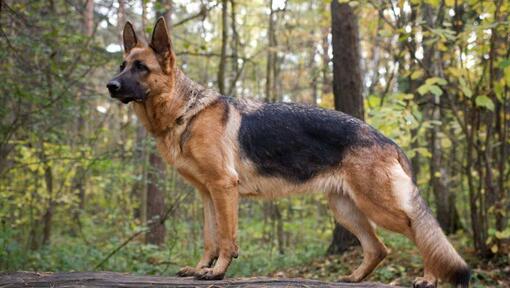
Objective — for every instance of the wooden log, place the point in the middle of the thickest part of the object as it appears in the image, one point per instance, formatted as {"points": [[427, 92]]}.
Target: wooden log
{"points": [[112, 279]]}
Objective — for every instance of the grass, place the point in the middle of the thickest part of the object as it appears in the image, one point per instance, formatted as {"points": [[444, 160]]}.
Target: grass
{"points": [[259, 255]]}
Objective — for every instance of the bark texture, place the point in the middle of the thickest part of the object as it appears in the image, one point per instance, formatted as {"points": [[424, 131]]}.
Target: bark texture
{"points": [[224, 40], [155, 200], [347, 88], [347, 81], [111, 279]]}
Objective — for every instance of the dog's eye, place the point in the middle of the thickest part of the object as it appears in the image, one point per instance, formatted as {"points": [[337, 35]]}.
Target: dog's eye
{"points": [[140, 66], [122, 66]]}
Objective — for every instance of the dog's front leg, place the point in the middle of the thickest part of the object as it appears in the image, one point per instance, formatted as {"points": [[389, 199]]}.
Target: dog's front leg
{"points": [[225, 197], [211, 249]]}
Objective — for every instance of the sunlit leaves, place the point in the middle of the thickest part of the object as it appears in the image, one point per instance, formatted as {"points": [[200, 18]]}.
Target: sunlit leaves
{"points": [[423, 152], [485, 102], [446, 143], [432, 85], [435, 80], [417, 74]]}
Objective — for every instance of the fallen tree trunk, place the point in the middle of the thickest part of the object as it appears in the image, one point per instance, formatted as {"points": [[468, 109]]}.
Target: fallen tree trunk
{"points": [[111, 279]]}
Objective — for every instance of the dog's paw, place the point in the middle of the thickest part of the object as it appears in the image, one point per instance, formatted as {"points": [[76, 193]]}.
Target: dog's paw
{"points": [[421, 282], [209, 274], [187, 271], [349, 279]]}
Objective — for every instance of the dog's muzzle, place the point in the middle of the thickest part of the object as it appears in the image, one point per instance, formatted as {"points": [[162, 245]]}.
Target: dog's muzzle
{"points": [[116, 92]]}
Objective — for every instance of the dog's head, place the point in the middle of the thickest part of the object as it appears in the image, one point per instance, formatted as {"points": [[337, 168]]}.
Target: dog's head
{"points": [[146, 69]]}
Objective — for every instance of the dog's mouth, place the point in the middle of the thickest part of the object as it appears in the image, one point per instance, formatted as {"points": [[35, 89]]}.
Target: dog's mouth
{"points": [[128, 99]]}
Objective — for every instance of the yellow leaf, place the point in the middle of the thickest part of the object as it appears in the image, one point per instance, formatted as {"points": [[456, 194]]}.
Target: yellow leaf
{"points": [[423, 152], [417, 74], [434, 3], [507, 75], [455, 71], [441, 47], [446, 143]]}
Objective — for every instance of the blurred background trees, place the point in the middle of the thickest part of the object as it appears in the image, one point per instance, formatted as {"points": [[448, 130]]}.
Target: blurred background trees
{"points": [[79, 176]]}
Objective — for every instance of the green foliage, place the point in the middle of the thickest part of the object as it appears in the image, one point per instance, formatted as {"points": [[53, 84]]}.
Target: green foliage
{"points": [[484, 101]]}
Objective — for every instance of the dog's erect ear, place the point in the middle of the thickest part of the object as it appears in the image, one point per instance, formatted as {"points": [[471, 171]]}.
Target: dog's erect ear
{"points": [[162, 45], [160, 41], [129, 37]]}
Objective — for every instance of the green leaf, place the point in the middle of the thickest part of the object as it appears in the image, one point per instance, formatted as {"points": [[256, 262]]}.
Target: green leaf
{"points": [[374, 101], [467, 92], [436, 90], [503, 234], [417, 74], [436, 80], [423, 152], [507, 75], [423, 89], [433, 3], [446, 143], [505, 63], [484, 101]]}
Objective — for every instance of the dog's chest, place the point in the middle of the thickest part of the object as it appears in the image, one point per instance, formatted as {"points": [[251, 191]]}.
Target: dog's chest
{"points": [[169, 149]]}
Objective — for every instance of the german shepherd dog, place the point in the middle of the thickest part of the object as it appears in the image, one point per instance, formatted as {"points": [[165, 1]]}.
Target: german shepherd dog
{"points": [[229, 148]]}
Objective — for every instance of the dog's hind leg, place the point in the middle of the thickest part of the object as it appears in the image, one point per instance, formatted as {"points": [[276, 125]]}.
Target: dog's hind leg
{"points": [[383, 189], [349, 216]]}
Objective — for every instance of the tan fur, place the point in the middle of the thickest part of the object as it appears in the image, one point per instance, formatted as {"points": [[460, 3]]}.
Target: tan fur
{"points": [[372, 185], [348, 214]]}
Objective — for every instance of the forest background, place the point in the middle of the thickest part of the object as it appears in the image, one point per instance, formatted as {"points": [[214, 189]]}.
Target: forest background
{"points": [[82, 187]]}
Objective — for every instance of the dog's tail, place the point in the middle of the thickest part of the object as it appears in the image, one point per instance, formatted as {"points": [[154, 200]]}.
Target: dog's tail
{"points": [[439, 256]]}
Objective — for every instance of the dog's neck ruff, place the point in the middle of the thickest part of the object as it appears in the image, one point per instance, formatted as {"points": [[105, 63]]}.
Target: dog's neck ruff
{"points": [[195, 96], [187, 98]]}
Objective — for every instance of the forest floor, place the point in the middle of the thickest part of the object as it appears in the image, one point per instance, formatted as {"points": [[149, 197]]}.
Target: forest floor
{"points": [[400, 267], [303, 259]]}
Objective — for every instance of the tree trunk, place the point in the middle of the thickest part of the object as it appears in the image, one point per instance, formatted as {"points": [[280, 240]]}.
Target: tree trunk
{"points": [[144, 15], [155, 200], [224, 40], [112, 279], [347, 87], [79, 179], [326, 73], [165, 10], [347, 82], [236, 72], [138, 190], [121, 16], [48, 215], [271, 57], [445, 201], [89, 18]]}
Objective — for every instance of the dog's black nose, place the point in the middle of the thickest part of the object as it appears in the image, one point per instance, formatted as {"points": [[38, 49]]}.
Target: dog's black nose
{"points": [[113, 86]]}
